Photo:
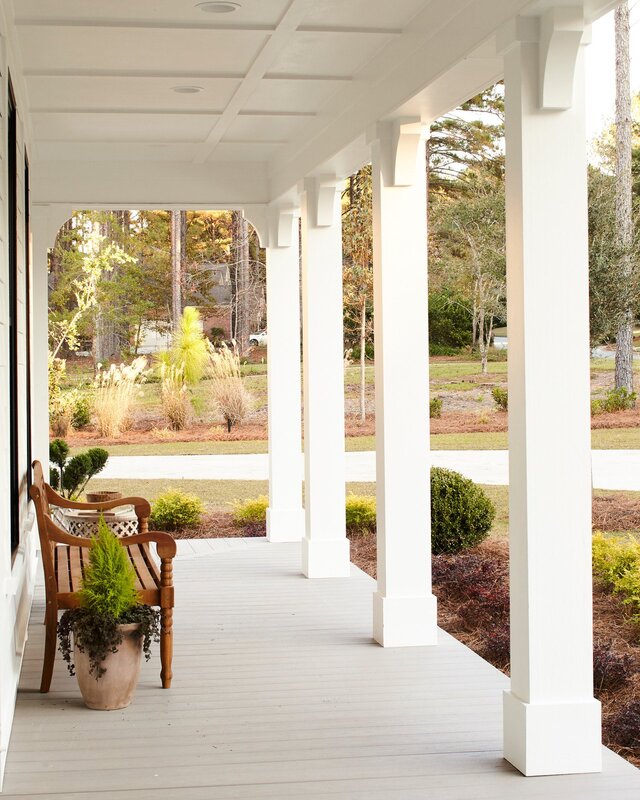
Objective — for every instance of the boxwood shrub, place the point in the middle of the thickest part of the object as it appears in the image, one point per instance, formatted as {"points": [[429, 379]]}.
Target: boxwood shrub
{"points": [[461, 513], [175, 509], [360, 513], [248, 512]]}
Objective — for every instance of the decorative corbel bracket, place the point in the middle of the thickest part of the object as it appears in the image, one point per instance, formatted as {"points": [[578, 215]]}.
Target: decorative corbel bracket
{"points": [[561, 34], [274, 224], [400, 143], [323, 192], [558, 33]]}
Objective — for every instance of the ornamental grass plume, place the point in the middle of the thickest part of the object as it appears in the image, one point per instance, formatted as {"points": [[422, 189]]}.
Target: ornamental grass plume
{"points": [[176, 402], [116, 390], [229, 394]]}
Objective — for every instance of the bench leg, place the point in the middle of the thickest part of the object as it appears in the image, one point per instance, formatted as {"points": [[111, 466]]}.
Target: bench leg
{"points": [[50, 640], [166, 646]]}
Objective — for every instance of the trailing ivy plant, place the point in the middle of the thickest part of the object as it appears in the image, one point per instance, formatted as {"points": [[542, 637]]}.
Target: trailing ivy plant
{"points": [[69, 476], [108, 598]]}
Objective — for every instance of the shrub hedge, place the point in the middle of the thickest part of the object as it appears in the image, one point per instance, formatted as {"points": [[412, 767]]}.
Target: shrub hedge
{"points": [[175, 509], [461, 513]]}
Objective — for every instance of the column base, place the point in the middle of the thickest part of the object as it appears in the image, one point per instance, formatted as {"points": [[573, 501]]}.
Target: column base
{"points": [[405, 621], [552, 738], [285, 524], [326, 558]]}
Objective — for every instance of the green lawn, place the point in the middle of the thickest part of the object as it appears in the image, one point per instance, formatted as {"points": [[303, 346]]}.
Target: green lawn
{"points": [[220, 495], [604, 439]]}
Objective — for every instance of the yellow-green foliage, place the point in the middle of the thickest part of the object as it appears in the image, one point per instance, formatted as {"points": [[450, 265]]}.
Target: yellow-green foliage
{"points": [[189, 351], [175, 509], [361, 513], [616, 561], [247, 511], [108, 586]]}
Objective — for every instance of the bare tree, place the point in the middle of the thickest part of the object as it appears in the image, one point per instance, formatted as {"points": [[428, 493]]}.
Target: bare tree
{"points": [[177, 260], [624, 225], [240, 283]]}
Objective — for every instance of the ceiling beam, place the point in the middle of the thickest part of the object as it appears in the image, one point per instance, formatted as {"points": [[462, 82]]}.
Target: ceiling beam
{"points": [[274, 45], [158, 24], [184, 112], [182, 75]]}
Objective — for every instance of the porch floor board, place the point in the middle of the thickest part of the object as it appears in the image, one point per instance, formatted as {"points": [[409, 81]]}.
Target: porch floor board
{"points": [[279, 692]]}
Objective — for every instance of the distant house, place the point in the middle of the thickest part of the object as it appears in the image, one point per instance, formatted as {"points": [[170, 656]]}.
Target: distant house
{"points": [[219, 290], [500, 338]]}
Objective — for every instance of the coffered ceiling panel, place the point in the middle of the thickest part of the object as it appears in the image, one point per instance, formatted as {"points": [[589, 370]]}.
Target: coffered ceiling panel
{"points": [[109, 127], [158, 12], [333, 54], [56, 49], [134, 94]]}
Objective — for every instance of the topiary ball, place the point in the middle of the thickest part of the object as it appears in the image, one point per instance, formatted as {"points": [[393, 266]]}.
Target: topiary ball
{"points": [[461, 513]]}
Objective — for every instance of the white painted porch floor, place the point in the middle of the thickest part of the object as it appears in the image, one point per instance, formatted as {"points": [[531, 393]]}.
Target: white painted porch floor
{"points": [[279, 692]]}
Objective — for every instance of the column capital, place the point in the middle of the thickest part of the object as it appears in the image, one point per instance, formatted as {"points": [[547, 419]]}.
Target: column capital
{"points": [[322, 193], [559, 32], [399, 142]]}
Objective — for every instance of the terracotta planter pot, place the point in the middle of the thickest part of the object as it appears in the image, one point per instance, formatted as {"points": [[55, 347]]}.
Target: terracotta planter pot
{"points": [[103, 497], [115, 689]]}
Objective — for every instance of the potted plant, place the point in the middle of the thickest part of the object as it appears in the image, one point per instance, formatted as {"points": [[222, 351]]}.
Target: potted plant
{"points": [[110, 627], [70, 475]]}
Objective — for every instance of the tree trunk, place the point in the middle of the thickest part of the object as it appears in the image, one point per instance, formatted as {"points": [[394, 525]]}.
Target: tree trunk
{"points": [[176, 268], [106, 342], [482, 341], [624, 339], [363, 356], [241, 296]]}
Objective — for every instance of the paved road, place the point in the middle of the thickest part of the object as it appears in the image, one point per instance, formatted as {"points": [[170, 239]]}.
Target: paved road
{"points": [[612, 469]]}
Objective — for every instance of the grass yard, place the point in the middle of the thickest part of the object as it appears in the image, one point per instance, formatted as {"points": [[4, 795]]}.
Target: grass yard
{"points": [[602, 439], [220, 495], [216, 495]]}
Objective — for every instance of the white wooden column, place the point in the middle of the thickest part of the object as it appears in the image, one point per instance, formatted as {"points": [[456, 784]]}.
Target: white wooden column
{"points": [[285, 515], [325, 547], [551, 720], [404, 608]]}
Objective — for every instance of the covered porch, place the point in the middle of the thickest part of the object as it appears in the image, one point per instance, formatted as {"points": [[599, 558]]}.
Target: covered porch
{"points": [[288, 678], [279, 692]]}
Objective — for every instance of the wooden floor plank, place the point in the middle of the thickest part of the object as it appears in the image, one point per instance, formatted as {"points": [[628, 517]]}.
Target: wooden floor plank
{"points": [[279, 692]]}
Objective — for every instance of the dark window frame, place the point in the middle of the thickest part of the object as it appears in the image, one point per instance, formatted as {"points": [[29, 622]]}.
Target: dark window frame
{"points": [[27, 308], [12, 235]]}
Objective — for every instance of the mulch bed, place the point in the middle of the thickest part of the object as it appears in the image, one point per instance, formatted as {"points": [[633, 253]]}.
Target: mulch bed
{"points": [[616, 512], [450, 422]]}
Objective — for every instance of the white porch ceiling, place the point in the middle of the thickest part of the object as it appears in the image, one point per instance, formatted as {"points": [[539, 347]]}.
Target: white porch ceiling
{"points": [[288, 86]]}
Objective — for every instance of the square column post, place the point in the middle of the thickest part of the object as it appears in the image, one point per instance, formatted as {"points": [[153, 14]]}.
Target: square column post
{"points": [[404, 608], [325, 548], [285, 515], [551, 719]]}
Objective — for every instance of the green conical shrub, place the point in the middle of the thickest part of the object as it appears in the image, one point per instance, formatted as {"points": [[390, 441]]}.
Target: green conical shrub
{"points": [[109, 583]]}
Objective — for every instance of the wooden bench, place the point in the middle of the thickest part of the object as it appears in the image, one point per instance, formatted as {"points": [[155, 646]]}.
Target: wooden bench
{"points": [[63, 559]]}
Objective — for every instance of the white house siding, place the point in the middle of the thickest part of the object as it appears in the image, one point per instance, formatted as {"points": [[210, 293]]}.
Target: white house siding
{"points": [[17, 570]]}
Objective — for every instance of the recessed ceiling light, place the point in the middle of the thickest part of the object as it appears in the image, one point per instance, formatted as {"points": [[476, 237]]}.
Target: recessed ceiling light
{"points": [[187, 89], [218, 7]]}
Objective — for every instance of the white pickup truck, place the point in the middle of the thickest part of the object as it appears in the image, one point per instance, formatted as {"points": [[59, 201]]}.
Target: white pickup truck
{"points": [[259, 338]]}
